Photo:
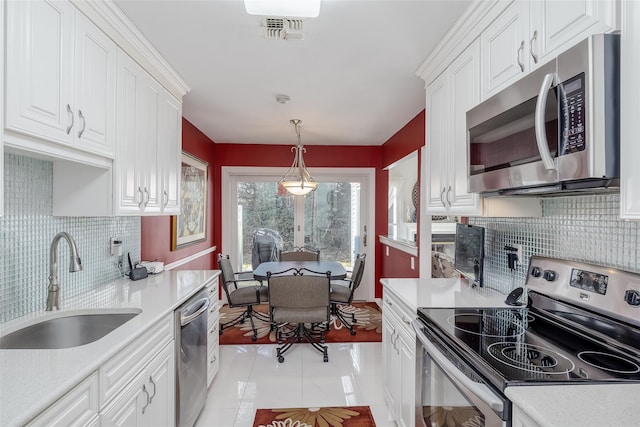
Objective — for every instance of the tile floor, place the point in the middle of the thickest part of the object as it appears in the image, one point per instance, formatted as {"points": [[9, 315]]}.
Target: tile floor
{"points": [[250, 377]]}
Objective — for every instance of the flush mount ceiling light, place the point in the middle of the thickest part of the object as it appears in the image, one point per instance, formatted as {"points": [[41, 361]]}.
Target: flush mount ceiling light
{"points": [[300, 8], [298, 181]]}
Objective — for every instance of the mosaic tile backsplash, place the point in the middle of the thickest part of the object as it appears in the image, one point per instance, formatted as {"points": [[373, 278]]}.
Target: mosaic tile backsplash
{"points": [[27, 228], [580, 228]]}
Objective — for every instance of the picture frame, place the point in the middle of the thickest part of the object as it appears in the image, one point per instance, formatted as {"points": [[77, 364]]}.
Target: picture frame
{"points": [[190, 226]]}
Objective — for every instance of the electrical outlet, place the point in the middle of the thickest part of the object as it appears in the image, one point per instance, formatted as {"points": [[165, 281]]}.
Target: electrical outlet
{"points": [[518, 249]]}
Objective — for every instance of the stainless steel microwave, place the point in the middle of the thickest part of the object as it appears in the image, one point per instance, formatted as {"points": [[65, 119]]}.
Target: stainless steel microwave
{"points": [[555, 130]]}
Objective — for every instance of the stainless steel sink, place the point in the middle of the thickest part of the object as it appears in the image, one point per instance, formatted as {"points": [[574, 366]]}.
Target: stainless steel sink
{"points": [[68, 330]]}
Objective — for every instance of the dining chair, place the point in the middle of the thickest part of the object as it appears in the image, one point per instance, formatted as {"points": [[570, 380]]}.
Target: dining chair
{"points": [[300, 254], [300, 299], [342, 294], [242, 290]]}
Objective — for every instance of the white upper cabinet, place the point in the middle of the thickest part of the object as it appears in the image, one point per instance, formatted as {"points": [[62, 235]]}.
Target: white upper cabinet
{"points": [[630, 111], [529, 33], [448, 98], [149, 123], [60, 78]]}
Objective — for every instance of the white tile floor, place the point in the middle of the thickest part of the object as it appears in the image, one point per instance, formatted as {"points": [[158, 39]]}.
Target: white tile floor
{"points": [[250, 378]]}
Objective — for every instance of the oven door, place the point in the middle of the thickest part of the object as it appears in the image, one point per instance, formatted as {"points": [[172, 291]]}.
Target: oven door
{"points": [[449, 391]]}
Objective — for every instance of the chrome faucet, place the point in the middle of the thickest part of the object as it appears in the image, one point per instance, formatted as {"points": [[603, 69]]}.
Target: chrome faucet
{"points": [[53, 297]]}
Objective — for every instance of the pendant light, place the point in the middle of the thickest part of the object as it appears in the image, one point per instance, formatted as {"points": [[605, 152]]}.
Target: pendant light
{"points": [[298, 181]]}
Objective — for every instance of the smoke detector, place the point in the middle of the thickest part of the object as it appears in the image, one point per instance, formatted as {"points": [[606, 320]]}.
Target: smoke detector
{"points": [[283, 28], [283, 99]]}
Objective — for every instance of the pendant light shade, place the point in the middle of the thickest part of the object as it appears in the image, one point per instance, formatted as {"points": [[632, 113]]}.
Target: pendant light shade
{"points": [[298, 181]]}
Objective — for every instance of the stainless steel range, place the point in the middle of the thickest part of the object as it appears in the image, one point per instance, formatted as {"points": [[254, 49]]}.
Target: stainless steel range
{"points": [[580, 324]]}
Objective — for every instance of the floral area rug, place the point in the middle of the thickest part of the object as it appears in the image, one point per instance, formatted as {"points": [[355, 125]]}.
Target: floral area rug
{"points": [[368, 327], [348, 416]]}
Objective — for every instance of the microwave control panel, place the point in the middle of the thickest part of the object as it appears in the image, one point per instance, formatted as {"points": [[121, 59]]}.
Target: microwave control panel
{"points": [[572, 114]]}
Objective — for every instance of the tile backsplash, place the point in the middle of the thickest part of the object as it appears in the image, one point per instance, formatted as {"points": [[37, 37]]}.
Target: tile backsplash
{"points": [[582, 228], [27, 228]]}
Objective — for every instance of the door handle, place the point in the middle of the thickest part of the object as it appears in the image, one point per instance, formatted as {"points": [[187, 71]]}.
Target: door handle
{"points": [[83, 124], [442, 197], [448, 192], [364, 237], [148, 196], [154, 388], [533, 55], [520, 50], [541, 135], [166, 198], [144, 390], [141, 197], [70, 115]]}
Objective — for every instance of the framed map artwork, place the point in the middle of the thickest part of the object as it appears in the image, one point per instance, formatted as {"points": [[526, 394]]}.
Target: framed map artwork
{"points": [[191, 225]]}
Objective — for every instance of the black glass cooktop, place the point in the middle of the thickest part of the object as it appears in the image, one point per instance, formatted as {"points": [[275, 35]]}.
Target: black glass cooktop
{"points": [[520, 346]]}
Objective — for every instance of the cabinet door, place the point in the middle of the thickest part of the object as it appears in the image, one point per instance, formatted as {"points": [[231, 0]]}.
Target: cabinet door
{"points": [[148, 101], [436, 145], [629, 111], [95, 78], [390, 364], [128, 184], [407, 361], [126, 409], [40, 69], [464, 86], [556, 25], [504, 46], [161, 385], [170, 153]]}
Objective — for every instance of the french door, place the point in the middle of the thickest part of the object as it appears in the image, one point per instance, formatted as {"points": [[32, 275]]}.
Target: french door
{"points": [[333, 219]]}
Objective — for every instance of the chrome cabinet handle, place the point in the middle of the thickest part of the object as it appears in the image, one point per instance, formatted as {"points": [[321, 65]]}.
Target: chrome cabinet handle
{"points": [[533, 55], [364, 237], [70, 115], [141, 197], [448, 192], [83, 124], [154, 388], [166, 198], [442, 197], [520, 50], [148, 196], [144, 389]]}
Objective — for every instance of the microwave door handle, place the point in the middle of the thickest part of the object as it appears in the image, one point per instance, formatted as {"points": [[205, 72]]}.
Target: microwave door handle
{"points": [[480, 390], [541, 136]]}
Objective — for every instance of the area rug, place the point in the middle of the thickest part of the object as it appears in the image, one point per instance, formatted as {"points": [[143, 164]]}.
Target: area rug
{"points": [[368, 327], [347, 416]]}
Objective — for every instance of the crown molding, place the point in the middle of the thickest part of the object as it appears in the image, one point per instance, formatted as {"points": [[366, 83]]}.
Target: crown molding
{"points": [[113, 22]]}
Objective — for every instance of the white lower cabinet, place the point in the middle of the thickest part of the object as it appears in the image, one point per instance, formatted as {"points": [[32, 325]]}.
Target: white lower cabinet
{"points": [[213, 332], [399, 360], [148, 399], [79, 407]]}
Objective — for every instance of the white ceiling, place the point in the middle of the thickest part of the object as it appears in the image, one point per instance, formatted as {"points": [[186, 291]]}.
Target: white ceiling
{"points": [[351, 80]]}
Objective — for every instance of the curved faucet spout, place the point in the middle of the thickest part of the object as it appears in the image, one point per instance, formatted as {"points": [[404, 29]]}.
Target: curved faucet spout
{"points": [[53, 297]]}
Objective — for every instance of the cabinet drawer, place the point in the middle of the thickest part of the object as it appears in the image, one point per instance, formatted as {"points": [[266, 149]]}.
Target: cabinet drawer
{"points": [[79, 407], [115, 374]]}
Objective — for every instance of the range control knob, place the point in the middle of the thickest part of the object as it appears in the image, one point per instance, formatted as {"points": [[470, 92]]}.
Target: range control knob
{"points": [[632, 297], [549, 275], [536, 272]]}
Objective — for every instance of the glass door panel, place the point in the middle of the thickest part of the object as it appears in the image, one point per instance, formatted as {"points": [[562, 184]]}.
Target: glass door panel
{"points": [[332, 221], [265, 222]]}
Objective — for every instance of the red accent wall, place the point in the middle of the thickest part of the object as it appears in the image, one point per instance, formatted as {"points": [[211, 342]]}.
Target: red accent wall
{"points": [[398, 264], [156, 230]]}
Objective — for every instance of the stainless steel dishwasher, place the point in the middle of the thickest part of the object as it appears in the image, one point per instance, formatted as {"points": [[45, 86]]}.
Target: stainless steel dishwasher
{"points": [[191, 357]]}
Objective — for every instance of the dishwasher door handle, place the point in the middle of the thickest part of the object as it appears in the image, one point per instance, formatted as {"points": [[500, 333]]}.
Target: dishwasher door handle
{"points": [[185, 320]]}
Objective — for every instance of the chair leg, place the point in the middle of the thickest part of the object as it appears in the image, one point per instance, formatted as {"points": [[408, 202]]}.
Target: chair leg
{"points": [[342, 316], [298, 334]]}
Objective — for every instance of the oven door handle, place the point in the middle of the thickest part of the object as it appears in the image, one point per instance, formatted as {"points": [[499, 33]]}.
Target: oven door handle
{"points": [[480, 390]]}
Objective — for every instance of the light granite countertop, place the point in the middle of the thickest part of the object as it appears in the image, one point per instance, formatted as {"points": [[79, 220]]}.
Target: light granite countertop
{"points": [[31, 380], [444, 293], [602, 405]]}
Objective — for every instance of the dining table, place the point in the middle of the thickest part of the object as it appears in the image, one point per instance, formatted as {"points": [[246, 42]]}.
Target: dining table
{"points": [[336, 269]]}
